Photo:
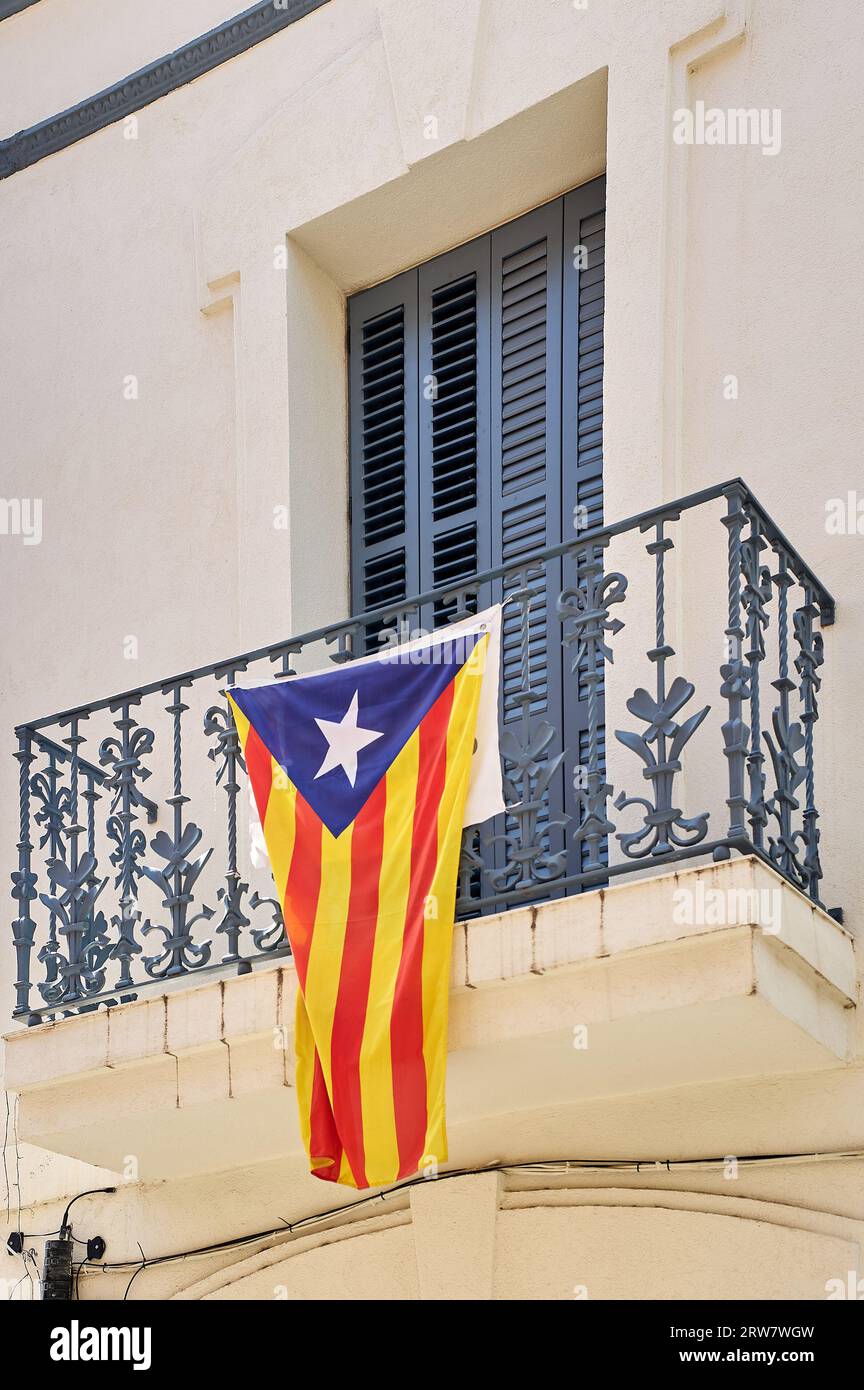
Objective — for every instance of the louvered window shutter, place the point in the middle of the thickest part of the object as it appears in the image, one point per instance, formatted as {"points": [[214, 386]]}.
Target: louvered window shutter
{"points": [[454, 484], [526, 454], [582, 421], [582, 425], [385, 562], [476, 387]]}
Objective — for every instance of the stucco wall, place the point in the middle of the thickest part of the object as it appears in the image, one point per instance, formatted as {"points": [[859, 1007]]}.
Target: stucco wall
{"points": [[157, 258], [505, 1237], [64, 51]]}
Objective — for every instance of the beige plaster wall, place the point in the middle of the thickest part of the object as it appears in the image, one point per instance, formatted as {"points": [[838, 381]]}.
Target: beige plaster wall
{"points": [[507, 1237], [164, 258], [60, 52]]}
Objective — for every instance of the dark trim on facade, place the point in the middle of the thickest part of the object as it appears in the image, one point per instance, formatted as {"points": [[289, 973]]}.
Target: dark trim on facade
{"points": [[150, 83], [10, 7]]}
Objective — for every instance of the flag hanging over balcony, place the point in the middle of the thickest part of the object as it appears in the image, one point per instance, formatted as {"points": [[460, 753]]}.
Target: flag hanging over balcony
{"points": [[364, 776]]}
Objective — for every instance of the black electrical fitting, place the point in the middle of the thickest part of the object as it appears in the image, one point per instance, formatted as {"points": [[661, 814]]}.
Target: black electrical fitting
{"points": [[57, 1268]]}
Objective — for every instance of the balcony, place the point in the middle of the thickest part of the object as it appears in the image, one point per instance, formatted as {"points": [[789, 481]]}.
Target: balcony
{"points": [[692, 631]]}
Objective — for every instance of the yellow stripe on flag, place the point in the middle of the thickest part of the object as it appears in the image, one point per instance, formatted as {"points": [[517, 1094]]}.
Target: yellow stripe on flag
{"points": [[328, 939], [376, 1076], [279, 827], [241, 722], [440, 911], [279, 820], [304, 1054]]}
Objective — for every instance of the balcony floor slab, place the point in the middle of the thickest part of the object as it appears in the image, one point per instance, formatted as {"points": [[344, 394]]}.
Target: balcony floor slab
{"points": [[618, 992]]}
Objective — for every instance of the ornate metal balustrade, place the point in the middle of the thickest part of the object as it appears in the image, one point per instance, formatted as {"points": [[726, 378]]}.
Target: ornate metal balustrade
{"points": [[117, 890]]}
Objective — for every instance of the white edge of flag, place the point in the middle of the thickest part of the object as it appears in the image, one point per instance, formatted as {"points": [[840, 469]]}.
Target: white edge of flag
{"points": [[485, 789]]}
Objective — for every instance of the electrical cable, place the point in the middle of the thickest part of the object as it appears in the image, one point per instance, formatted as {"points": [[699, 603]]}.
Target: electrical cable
{"points": [[25, 1255], [46, 1235], [17, 1154], [25, 1275], [143, 1265], [65, 1231], [552, 1167], [565, 1165], [32, 1256], [91, 1192], [5, 1169]]}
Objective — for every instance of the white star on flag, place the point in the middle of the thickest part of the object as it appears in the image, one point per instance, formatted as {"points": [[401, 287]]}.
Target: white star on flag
{"points": [[344, 742]]}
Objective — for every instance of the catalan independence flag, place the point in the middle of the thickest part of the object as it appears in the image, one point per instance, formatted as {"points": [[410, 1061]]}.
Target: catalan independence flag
{"points": [[360, 775]]}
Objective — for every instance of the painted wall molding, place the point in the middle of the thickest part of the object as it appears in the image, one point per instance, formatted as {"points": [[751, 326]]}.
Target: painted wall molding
{"points": [[10, 7], [150, 83], [723, 36]]}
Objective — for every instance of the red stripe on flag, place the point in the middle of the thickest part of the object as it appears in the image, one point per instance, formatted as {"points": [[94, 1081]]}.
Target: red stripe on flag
{"points": [[259, 765], [406, 1024], [323, 1136], [303, 884], [299, 908], [349, 1019]]}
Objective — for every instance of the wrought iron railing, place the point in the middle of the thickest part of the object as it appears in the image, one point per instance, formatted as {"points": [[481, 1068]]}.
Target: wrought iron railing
{"points": [[93, 890]]}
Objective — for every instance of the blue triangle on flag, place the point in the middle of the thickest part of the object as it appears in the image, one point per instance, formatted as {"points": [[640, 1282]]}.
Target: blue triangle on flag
{"points": [[386, 698]]}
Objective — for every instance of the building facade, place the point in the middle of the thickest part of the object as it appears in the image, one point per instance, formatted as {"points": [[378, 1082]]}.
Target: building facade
{"points": [[339, 308]]}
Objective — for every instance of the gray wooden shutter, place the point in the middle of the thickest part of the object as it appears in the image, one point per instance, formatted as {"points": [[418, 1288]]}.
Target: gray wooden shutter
{"points": [[582, 421], [582, 417], [454, 483], [476, 430], [526, 454], [382, 359]]}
